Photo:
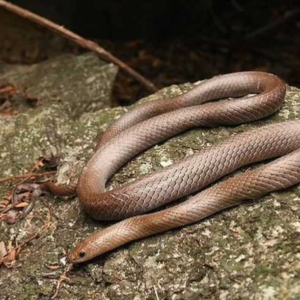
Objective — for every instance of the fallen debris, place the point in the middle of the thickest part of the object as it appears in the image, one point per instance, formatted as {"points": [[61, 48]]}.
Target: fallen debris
{"points": [[9, 253], [87, 44]]}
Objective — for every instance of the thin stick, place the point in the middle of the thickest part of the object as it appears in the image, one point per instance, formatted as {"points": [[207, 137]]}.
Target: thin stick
{"points": [[35, 236], [155, 291], [62, 278], [29, 175], [87, 44], [290, 15]]}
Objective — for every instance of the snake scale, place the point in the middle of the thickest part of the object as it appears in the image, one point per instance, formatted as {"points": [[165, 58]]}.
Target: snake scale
{"points": [[206, 105]]}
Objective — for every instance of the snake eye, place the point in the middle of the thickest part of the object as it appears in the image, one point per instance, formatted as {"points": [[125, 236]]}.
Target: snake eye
{"points": [[81, 254]]}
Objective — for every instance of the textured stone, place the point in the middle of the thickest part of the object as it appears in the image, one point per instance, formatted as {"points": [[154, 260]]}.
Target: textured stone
{"points": [[247, 252]]}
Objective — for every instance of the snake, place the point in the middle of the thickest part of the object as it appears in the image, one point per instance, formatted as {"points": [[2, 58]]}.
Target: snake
{"points": [[224, 100]]}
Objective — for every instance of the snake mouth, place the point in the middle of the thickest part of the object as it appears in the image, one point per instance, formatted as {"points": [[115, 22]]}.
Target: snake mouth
{"points": [[73, 258], [76, 255]]}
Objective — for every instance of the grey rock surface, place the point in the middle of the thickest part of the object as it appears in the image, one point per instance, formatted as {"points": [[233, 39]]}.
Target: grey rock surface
{"points": [[247, 252]]}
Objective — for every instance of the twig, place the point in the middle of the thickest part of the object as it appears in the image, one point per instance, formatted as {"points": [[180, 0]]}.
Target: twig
{"points": [[236, 5], [61, 279], [216, 19], [24, 178], [288, 16], [51, 275], [87, 44], [35, 236], [28, 175], [155, 291]]}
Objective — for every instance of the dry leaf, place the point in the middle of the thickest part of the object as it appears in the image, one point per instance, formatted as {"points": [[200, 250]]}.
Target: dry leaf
{"points": [[22, 204], [3, 252], [11, 256]]}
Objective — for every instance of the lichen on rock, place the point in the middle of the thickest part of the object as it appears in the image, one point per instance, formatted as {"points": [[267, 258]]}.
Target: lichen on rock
{"points": [[248, 252]]}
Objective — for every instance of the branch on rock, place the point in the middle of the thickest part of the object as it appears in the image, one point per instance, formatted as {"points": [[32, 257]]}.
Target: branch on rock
{"points": [[87, 44]]}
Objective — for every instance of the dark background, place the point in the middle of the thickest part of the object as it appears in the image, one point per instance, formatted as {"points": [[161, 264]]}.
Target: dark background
{"points": [[172, 41]]}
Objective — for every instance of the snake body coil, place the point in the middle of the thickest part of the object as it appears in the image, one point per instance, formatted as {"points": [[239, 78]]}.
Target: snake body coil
{"points": [[155, 121]]}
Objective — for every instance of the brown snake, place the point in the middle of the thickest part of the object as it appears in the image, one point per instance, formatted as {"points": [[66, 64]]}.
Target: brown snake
{"points": [[153, 122]]}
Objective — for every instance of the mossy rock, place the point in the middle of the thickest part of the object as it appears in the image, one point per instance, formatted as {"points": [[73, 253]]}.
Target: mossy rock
{"points": [[248, 252]]}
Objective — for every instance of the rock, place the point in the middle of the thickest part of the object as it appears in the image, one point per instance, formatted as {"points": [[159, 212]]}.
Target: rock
{"points": [[247, 252]]}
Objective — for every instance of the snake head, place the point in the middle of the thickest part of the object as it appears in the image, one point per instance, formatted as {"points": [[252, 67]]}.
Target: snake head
{"points": [[96, 244], [81, 253]]}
